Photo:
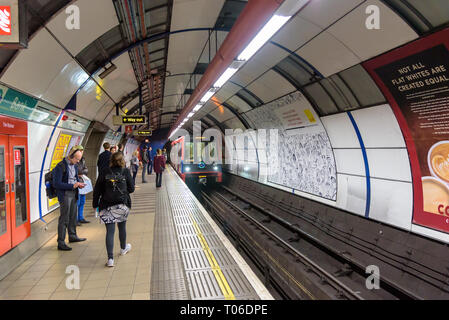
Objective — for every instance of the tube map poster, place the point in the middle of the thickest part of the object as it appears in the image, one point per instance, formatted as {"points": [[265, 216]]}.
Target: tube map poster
{"points": [[415, 80]]}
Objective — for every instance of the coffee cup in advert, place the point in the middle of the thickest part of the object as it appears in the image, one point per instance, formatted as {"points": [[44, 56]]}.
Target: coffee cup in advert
{"points": [[435, 196], [438, 160]]}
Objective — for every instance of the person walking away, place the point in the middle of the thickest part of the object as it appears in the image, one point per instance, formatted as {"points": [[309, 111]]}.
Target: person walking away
{"points": [[104, 157], [159, 166], [66, 183], [135, 164], [145, 161], [111, 196], [82, 170]]}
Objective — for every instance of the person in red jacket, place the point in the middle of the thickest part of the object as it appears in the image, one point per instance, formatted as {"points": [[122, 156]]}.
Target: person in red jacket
{"points": [[159, 166]]}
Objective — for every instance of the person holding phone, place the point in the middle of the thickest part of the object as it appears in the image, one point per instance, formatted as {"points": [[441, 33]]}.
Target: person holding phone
{"points": [[66, 183]]}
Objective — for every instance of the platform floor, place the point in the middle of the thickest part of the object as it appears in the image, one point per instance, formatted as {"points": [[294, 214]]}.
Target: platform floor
{"points": [[192, 259]]}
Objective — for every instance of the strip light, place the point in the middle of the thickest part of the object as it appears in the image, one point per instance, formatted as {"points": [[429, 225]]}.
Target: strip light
{"points": [[198, 107], [276, 22], [207, 95], [272, 26], [225, 77]]}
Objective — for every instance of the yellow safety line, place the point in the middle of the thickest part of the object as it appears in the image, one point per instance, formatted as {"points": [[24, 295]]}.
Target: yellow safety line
{"points": [[219, 276]]}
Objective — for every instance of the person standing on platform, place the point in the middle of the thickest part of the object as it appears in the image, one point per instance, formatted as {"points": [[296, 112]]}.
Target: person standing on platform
{"points": [[82, 170], [135, 164], [159, 166], [104, 157], [120, 147], [111, 196], [150, 161], [145, 161], [66, 183], [113, 149], [144, 144]]}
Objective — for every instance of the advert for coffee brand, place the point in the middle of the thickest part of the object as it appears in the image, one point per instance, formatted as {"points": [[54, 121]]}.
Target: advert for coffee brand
{"points": [[415, 80]]}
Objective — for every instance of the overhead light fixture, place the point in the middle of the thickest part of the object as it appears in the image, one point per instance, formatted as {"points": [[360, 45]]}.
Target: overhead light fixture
{"points": [[198, 107], [107, 71], [225, 77], [190, 114], [285, 12], [207, 95], [272, 26]]}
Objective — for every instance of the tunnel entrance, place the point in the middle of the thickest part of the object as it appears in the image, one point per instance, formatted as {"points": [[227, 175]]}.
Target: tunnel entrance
{"points": [[92, 145]]}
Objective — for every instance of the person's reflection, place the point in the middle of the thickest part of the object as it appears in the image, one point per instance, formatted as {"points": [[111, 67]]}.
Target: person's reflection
{"points": [[21, 191], [2, 206]]}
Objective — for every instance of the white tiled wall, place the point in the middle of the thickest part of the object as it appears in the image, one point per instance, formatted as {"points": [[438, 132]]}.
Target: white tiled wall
{"points": [[379, 127]]}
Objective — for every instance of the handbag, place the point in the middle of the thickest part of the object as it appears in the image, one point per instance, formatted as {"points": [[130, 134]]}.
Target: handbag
{"points": [[88, 187]]}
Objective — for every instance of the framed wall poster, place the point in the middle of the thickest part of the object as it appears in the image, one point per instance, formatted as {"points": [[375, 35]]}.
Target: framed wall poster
{"points": [[60, 151], [415, 80]]}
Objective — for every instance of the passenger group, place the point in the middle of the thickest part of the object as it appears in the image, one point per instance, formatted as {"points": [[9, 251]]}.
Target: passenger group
{"points": [[111, 193]]}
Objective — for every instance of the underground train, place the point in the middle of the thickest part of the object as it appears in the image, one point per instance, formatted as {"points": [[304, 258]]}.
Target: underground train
{"points": [[198, 161]]}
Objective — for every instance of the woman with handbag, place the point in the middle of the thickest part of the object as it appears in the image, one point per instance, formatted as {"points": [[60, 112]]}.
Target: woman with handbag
{"points": [[111, 196], [159, 166]]}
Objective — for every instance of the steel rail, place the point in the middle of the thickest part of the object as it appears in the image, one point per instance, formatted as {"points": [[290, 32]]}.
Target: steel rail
{"points": [[326, 276]]}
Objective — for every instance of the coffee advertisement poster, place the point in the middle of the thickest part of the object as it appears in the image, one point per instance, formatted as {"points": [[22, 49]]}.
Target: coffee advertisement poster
{"points": [[415, 80]]}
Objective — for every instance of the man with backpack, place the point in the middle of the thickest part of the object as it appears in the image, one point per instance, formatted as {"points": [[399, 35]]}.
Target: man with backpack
{"points": [[65, 181]]}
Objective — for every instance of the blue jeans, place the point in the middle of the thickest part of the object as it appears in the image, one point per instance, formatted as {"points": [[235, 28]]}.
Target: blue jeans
{"points": [[81, 202], [150, 168]]}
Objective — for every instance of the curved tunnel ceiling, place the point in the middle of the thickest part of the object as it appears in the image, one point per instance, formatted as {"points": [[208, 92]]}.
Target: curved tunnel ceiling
{"points": [[317, 60]]}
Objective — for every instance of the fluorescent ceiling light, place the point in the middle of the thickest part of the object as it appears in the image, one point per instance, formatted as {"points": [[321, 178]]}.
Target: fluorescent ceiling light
{"points": [[225, 77], [190, 114], [272, 26], [207, 95], [198, 107]]}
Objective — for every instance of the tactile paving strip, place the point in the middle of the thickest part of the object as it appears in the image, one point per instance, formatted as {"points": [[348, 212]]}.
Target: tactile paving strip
{"points": [[167, 277], [181, 267]]}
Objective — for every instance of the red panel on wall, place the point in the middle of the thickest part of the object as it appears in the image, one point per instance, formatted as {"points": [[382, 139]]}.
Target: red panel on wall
{"points": [[13, 126], [415, 80]]}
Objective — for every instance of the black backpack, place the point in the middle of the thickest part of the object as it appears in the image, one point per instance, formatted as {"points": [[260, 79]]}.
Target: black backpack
{"points": [[116, 190], [49, 188]]}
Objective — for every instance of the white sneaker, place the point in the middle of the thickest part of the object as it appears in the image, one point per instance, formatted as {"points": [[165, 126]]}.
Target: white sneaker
{"points": [[126, 250], [110, 263]]}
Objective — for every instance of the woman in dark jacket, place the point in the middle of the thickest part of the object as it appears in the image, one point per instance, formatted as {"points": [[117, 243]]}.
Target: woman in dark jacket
{"points": [[111, 196], [159, 166]]}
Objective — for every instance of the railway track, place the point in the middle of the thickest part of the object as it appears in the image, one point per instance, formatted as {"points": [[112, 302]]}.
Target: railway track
{"points": [[296, 264]]}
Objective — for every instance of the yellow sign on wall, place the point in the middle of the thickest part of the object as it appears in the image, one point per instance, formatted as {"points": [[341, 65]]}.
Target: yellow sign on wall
{"points": [[58, 154]]}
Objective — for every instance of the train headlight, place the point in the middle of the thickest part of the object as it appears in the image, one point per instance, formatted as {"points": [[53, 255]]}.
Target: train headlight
{"points": [[215, 168], [187, 169]]}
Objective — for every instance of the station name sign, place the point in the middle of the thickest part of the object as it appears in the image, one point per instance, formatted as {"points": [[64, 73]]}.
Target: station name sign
{"points": [[129, 120], [13, 24], [143, 132]]}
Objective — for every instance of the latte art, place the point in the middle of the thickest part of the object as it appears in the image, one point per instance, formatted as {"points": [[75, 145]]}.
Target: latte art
{"points": [[439, 161]]}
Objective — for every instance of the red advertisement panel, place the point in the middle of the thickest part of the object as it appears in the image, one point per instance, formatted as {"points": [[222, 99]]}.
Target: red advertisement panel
{"points": [[415, 80], [5, 20]]}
